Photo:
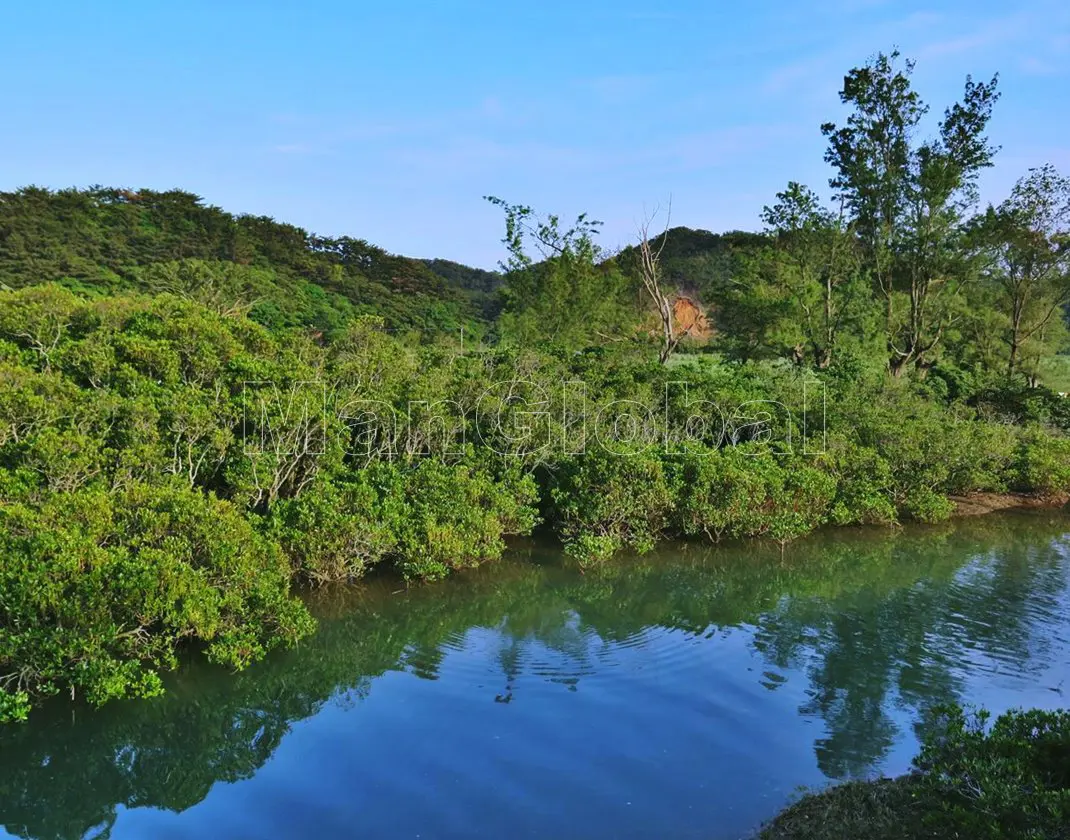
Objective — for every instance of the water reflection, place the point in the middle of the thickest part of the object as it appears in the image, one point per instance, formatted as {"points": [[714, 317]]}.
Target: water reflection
{"points": [[717, 658]]}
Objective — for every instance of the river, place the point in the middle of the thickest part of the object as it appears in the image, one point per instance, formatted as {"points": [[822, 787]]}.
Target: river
{"points": [[687, 693]]}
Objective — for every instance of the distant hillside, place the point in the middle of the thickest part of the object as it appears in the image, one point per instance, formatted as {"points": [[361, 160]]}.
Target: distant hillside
{"points": [[466, 277], [481, 286], [699, 263], [102, 240]]}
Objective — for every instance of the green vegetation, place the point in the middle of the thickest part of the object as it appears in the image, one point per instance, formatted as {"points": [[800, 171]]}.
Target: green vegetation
{"points": [[1009, 781], [200, 412], [110, 241], [99, 587]]}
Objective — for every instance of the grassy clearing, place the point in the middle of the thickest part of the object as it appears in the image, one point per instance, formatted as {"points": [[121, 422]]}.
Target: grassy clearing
{"points": [[1055, 373]]}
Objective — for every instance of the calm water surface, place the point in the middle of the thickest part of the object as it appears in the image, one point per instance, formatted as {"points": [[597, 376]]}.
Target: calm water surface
{"points": [[683, 694]]}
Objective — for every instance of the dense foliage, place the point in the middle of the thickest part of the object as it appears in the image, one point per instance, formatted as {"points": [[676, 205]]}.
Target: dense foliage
{"points": [[105, 241], [99, 587], [1010, 780], [199, 411], [168, 470]]}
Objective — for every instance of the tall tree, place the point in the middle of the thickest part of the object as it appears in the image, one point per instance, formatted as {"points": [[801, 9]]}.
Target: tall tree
{"points": [[817, 269], [1027, 240], [908, 199], [564, 294]]}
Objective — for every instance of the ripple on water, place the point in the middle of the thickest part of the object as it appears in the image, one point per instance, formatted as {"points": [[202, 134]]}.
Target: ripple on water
{"points": [[682, 698]]}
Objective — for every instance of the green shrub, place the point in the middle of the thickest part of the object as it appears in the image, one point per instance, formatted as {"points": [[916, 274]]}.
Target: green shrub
{"points": [[864, 485], [337, 531], [881, 809], [929, 451], [14, 705], [1018, 403], [798, 499], [428, 520], [924, 504], [1043, 463], [982, 457], [605, 501], [456, 516], [720, 493], [1010, 781], [99, 588], [751, 491]]}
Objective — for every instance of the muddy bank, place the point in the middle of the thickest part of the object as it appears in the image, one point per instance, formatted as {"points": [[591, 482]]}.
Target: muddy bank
{"points": [[977, 504]]}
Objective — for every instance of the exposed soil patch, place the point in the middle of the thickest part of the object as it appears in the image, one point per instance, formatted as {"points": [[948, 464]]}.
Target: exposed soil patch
{"points": [[977, 504], [690, 318]]}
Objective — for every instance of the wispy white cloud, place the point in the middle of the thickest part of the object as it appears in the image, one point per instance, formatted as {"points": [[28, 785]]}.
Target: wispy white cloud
{"points": [[333, 133], [469, 154], [1032, 65], [717, 147], [851, 6], [1050, 56], [924, 35], [1038, 29], [285, 118], [463, 155], [654, 14], [799, 73], [989, 34], [1025, 157], [492, 107]]}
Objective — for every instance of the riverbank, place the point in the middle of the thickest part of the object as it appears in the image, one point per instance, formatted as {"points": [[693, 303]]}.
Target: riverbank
{"points": [[881, 809], [979, 504], [172, 476], [1004, 782]]}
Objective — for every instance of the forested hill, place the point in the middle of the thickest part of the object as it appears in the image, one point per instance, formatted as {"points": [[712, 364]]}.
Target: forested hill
{"points": [[102, 241], [700, 262]]}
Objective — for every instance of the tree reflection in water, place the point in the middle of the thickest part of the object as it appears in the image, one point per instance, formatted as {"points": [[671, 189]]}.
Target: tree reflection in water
{"points": [[874, 620]]}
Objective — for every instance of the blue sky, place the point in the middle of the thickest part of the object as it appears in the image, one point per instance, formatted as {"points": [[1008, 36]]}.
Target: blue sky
{"points": [[389, 121]]}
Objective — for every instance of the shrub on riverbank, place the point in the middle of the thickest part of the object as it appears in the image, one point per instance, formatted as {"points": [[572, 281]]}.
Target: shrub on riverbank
{"points": [[1007, 782], [1043, 463], [880, 473], [455, 517], [605, 501], [427, 521], [100, 587], [272, 459]]}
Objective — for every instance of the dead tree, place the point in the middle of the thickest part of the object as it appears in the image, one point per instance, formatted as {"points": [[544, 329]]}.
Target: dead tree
{"points": [[650, 272]]}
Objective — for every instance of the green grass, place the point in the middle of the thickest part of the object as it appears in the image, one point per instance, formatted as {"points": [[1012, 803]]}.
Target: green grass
{"points": [[1055, 373], [700, 361]]}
